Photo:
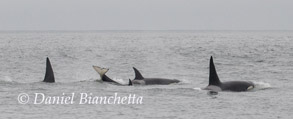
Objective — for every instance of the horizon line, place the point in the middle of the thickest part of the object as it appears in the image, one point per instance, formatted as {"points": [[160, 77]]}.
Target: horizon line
{"points": [[74, 30]]}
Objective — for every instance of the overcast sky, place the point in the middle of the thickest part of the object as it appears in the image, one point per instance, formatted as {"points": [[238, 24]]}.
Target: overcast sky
{"points": [[146, 14]]}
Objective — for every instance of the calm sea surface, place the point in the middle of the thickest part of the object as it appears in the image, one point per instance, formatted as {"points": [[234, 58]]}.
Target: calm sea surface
{"points": [[263, 57]]}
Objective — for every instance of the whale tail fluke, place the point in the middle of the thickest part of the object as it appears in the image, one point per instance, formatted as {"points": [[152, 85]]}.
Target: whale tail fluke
{"points": [[138, 75], [130, 83], [213, 78], [101, 71], [49, 76]]}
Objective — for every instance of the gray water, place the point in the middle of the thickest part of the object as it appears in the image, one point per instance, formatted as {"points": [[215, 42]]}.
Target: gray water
{"points": [[263, 57]]}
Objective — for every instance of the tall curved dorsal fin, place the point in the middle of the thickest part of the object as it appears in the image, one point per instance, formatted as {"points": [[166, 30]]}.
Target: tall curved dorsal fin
{"points": [[213, 78], [138, 76], [49, 76]]}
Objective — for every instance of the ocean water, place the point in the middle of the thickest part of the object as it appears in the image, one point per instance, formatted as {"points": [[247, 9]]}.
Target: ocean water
{"points": [[263, 57]]}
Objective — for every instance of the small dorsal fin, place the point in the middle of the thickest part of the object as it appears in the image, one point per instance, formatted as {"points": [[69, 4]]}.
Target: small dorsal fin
{"points": [[130, 83], [49, 76], [138, 76], [213, 78]]}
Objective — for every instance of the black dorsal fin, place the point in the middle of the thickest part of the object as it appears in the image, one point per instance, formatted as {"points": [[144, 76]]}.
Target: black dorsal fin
{"points": [[49, 76], [213, 79], [138, 76], [130, 83]]}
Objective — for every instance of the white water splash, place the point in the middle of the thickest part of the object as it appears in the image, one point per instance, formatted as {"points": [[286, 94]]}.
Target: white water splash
{"points": [[197, 88], [121, 81], [185, 81], [261, 85]]}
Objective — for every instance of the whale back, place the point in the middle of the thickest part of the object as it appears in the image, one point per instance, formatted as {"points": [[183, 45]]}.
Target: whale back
{"points": [[49, 76], [237, 86]]}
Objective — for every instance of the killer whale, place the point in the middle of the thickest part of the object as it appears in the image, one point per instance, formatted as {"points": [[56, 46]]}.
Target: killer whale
{"points": [[139, 79], [216, 85], [49, 76], [102, 72]]}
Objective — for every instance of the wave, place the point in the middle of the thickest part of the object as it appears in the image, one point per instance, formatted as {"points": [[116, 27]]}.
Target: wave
{"points": [[184, 81], [6, 79], [89, 80]]}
